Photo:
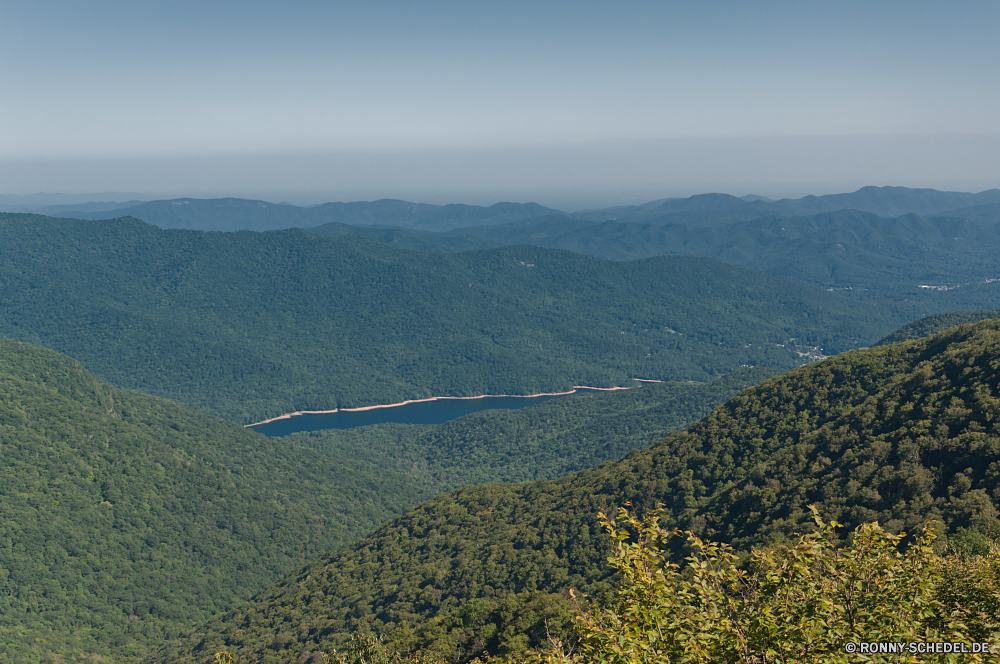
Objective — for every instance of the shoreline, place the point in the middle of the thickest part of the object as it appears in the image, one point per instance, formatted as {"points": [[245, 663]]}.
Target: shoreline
{"points": [[404, 403], [481, 396]]}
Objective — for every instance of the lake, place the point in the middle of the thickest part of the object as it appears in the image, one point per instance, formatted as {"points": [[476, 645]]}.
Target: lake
{"points": [[436, 411]]}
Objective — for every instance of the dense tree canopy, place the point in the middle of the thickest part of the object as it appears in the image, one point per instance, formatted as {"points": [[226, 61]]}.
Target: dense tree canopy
{"points": [[896, 434], [126, 519], [252, 325]]}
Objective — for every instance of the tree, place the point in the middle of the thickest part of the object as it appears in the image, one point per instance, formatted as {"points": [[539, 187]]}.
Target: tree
{"points": [[803, 602]]}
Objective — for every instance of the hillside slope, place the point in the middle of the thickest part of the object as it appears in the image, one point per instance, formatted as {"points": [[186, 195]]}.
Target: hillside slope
{"points": [[895, 434], [404, 239], [126, 519], [252, 325]]}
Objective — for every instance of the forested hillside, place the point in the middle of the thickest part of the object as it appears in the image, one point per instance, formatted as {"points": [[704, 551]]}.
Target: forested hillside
{"points": [[404, 239], [125, 519], [896, 434], [252, 325]]}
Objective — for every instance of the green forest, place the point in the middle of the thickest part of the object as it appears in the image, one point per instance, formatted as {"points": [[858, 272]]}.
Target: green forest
{"points": [[896, 434], [248, 326], [126, 520]]}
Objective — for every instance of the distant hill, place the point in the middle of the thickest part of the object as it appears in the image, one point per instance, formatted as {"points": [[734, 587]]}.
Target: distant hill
{"points": [[98, 207], [421, 216], [234, 214], [713, 209], [34, 203], [890, 201], [937, 323], [926, 264], [252, 325], [896, 434], [701, 209], [221, 214]]}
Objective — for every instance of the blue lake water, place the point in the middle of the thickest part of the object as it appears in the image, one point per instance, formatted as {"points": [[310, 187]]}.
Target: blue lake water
{"points": [[424, 412]]}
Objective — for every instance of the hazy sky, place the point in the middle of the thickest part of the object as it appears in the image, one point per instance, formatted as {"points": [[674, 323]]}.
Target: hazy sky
{"points": [[485, 101]]}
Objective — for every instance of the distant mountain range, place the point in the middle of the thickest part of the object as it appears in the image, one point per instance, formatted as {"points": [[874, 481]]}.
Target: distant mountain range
{"points": [[723, 208], [909, 258], [232, 214], [235, 214], [43, 203]]}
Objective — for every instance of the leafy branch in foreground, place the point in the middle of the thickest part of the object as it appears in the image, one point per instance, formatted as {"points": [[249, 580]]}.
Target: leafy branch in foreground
{"points": [[798, 603], [802, 602]]}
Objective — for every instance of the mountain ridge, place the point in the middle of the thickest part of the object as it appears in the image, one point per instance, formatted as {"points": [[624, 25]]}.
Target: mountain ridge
{"points": [[121, 513], [232, 214], [236, 214]]}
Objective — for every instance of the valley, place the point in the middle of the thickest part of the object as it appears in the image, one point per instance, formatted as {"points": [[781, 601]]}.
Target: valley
{"points": [[127, 520], [249, 326], [860, 435]]}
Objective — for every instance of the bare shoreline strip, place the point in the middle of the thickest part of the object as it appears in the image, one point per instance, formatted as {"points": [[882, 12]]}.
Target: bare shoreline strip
{"points": [[403, 403]]}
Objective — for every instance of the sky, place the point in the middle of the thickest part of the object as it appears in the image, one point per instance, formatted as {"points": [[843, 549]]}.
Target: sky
{"points": [[567, 103]]}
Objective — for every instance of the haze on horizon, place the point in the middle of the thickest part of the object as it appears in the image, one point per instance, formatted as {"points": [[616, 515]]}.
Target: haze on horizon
{"points": [[568, 104]]}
